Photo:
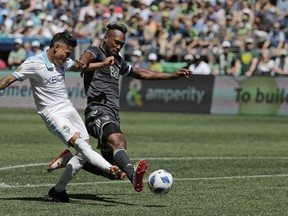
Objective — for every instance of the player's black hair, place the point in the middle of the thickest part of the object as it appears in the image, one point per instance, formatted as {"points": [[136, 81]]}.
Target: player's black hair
{"points": [[65, 37], [118, 26]]}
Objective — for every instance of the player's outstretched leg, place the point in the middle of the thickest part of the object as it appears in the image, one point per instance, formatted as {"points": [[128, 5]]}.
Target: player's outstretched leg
{"points": [[96, 171], [58, 192], [134, 173], [62, 159]]}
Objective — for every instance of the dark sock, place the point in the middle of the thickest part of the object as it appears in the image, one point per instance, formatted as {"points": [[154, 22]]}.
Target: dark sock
{"points": [[97, 171], [92, 169], [108, 155], [121, 159]]}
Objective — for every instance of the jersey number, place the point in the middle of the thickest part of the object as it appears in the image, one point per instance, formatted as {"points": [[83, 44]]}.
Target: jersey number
{"points": [[114, 73]]}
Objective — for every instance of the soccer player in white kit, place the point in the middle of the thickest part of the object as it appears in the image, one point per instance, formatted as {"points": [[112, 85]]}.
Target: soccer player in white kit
{"points": [[46, 73]]}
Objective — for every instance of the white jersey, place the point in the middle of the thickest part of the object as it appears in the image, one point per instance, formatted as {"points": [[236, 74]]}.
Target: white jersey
{"points": [[47, 82], [50, 96]]}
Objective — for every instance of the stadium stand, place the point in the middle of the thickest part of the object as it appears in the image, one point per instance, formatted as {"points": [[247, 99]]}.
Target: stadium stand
{"points": [[170, 28]]}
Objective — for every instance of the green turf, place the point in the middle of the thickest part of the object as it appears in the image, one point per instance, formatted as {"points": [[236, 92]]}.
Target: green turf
{"points": [[222, 165]]}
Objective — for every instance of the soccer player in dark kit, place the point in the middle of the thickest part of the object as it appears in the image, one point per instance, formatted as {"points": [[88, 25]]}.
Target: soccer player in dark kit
{"points": [[102, 90]]}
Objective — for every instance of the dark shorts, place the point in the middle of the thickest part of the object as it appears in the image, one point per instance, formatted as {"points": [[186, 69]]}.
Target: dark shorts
{"points": [[96, 120]]}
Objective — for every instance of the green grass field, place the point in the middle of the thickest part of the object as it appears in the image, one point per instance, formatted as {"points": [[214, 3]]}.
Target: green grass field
{"points": [[222, 165]]}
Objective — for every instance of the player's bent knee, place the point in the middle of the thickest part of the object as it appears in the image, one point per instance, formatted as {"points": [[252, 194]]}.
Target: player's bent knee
{"points": [[117, 141], [74, 138]]}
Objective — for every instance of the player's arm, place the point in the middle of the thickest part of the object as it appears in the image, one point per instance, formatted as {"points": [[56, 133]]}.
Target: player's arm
{"points": [[95, 65], [83, 63], [87, 64], [146, 74], [85, 60], [80, 67], [7, 81]]}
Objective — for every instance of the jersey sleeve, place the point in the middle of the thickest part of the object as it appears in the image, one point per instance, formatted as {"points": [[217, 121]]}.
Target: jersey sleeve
{"points": [[126, 69], [25, 71], [94, 50]]}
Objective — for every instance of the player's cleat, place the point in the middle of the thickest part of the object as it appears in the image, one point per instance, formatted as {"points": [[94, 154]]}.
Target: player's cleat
{"points": [[60, 161], [114, 170], [140, 170], [117, 173], [121, 175], [58, 196]]}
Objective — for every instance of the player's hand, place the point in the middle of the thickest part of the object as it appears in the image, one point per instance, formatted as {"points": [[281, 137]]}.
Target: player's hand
{"points": [[182, 72], [109, 60], [81, 66]]}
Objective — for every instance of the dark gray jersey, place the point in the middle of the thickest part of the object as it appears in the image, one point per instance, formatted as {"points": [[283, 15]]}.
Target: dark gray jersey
{"points": [[102, 85]]}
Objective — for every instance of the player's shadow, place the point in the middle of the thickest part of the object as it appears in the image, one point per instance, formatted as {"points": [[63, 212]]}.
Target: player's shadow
{"points": [[101, 200], [24, 198], [110, 200], [98, 198], [75, 198]]}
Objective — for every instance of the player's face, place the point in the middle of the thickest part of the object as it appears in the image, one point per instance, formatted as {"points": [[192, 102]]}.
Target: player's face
{"points": [[62, 53], [114, 40]]}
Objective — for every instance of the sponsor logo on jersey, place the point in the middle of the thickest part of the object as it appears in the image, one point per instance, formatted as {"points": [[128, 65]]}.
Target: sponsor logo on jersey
{"points": [[54, 79], [66, 129]]}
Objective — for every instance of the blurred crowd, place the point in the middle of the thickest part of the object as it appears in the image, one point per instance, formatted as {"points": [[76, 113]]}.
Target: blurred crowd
{"points": [[219, 37]]}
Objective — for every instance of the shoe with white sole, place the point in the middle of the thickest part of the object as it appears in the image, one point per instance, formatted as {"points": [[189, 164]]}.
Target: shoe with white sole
{"points": [[60, 161]]}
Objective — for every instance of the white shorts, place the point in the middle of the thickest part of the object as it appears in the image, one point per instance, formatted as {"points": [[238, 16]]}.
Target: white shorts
{"points": [[65, 123]]}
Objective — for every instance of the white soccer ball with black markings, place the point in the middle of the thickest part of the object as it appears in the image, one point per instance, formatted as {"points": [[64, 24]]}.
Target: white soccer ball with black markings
{"points": [[160, 182]]}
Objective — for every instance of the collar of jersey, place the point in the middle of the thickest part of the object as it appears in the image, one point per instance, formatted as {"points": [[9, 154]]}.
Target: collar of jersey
{"points": [[47, 62]]}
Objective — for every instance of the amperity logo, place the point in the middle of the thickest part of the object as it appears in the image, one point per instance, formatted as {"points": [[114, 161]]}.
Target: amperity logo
{"points": [[133, 97], [166, 95]]}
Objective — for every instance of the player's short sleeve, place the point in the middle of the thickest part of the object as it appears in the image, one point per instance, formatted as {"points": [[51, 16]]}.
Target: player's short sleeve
{"points": [[94, 50], [126, 69], [25, 71]]}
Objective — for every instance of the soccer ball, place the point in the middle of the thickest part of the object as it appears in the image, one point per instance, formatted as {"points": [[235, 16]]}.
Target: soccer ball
{"points": [[160, 182]]}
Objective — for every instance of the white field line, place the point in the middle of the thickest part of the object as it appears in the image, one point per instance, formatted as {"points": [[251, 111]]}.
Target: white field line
{"points": [[3, 185], [214, 158], [22, 166], [163, 159]]}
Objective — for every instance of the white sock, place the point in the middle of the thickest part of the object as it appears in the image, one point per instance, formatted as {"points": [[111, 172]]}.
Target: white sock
{"points": [[93, 157], [74, 165]]}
